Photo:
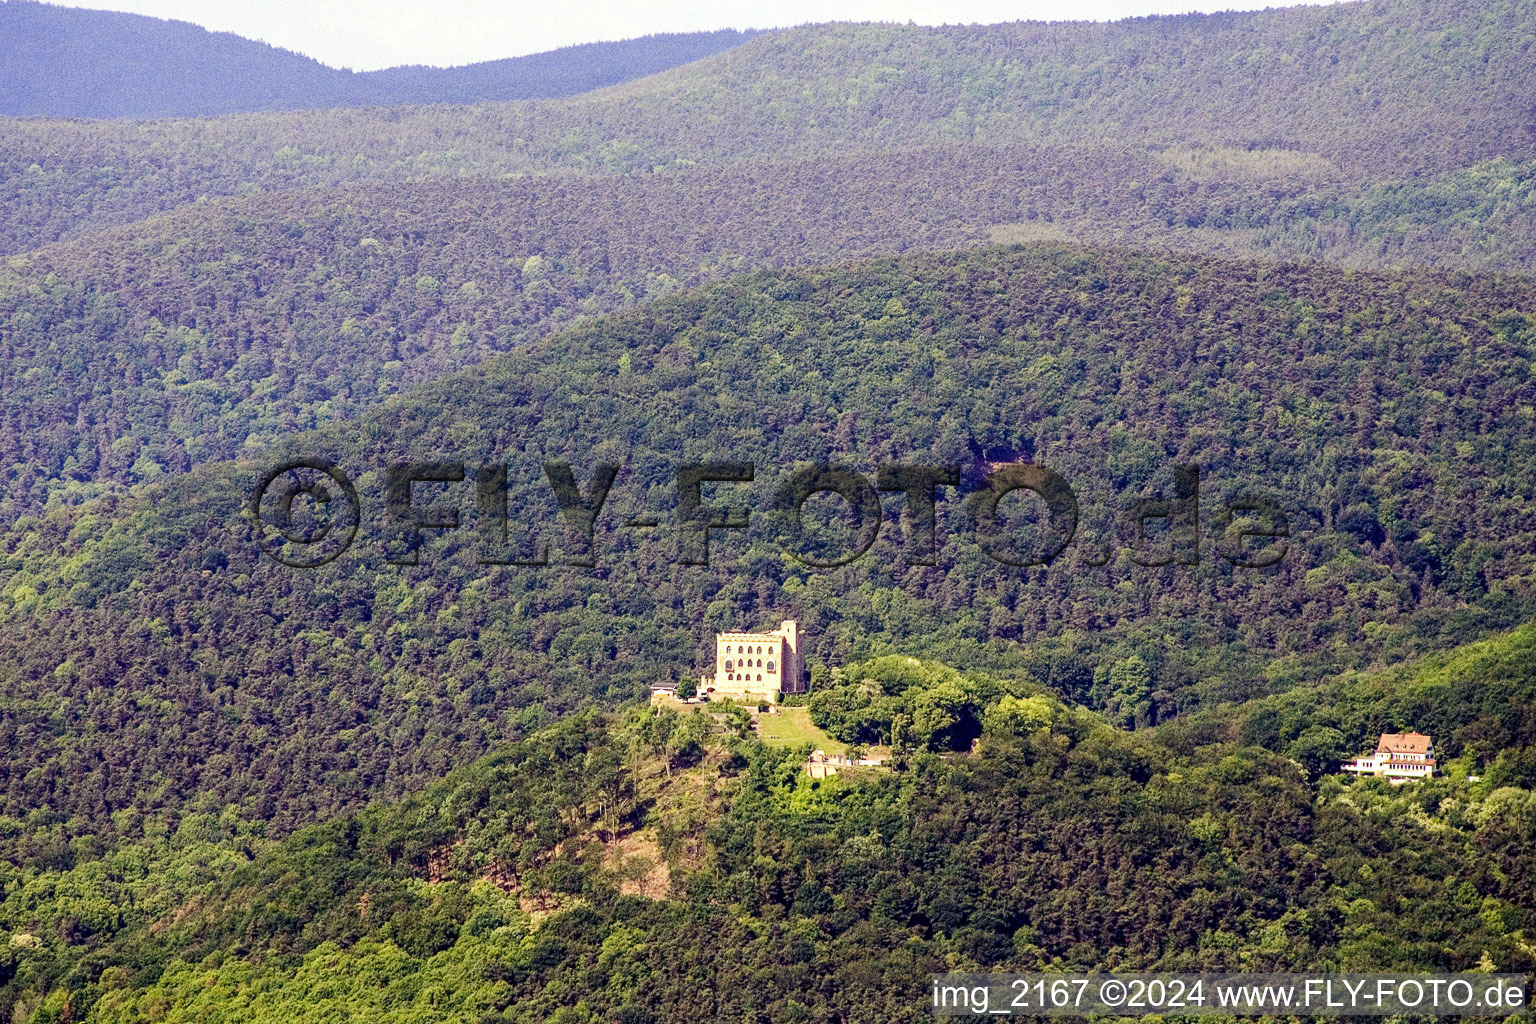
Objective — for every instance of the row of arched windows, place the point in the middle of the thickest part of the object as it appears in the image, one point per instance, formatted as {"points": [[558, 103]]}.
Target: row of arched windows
{"points": [[730, 666]]}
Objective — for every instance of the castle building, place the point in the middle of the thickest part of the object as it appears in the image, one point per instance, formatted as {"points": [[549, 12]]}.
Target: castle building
{"points": [[1399, 757], [756, 666]]}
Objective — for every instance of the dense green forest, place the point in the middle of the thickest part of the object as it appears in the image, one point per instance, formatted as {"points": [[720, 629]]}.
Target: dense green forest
{"points": [[1388, 416], [127, 65], [235, 318], [1291, 248], [657, 866], [150, 349], [1379, 90]]}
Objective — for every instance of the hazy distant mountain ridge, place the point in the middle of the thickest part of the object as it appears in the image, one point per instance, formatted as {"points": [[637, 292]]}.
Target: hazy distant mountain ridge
{"points": [[563, 72], [1375, 91], [67, 62]]}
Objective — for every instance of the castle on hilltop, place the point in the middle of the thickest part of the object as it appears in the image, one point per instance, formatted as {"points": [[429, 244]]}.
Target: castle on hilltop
{"points": [[756, 666]]}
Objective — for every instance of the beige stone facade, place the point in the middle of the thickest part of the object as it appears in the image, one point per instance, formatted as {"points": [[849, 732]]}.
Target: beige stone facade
{"points": [[756, 666]]}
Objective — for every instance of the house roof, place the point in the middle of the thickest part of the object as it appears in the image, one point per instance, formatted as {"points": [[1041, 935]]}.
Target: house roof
{"points": [[1403, 743]]}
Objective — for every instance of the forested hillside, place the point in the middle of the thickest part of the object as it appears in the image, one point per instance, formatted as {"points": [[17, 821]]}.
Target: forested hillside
{"points": [[69, 62], [1292, 248], [247, 319], [653, 866], [314, 299], [1475, 701], [1384, 89], [236, 321], [1389, 416]]}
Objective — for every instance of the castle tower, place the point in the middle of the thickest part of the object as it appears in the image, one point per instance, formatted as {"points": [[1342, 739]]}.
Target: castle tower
{"points": [[794, 680]]}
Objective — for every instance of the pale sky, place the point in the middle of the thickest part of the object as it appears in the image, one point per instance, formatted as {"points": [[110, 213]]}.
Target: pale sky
{"points": [[369, 34]]}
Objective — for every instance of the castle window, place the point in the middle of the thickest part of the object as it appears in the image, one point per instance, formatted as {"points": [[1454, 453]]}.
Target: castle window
{"points": [[770, 664], [759, 677], [729, 665]]}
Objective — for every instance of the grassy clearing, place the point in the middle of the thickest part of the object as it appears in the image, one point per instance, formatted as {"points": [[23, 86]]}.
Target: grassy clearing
{"points": [[1024, 231], [793, 726]]}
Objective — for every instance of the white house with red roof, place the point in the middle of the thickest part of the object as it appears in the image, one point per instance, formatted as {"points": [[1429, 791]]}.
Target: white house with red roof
{"points": [[1399, 757]]}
